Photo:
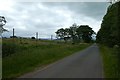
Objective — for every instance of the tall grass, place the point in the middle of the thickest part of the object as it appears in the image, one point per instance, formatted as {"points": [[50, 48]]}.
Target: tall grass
{"points": [[0, 67], [0, 40], [110, 62], [30, 56], [0, 58]]}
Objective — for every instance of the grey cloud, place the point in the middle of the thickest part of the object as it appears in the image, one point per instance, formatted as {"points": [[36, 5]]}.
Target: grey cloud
{"points": [[94, 10], [30, 17]]}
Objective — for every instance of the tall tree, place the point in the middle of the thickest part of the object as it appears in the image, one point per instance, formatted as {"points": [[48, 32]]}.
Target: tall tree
{"points": [[85, 32], [67, 32], [60, 33], [2, 23], [76, 33], [109, 32], [72, 32]]}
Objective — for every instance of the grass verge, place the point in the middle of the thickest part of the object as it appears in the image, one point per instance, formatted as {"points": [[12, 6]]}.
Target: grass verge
{"points": [[34, 56], [0, 67], [110, 62]]}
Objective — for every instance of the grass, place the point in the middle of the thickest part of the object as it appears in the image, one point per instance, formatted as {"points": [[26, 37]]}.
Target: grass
{"points": [[31, 55], [0, 41], [110, 62], [0, 58], [0, 67]]}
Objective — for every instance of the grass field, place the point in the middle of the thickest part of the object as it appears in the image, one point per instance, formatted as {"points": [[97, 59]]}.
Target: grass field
{"points": [[31, 54], [110, 62], [0, 58], [0, 68], [0, 41]]}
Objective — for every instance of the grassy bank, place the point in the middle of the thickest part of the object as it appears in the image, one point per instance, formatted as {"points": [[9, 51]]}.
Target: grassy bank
{"points": [[0, 58], [30, 56], [0, 68], [0, 41], [110, 61]]}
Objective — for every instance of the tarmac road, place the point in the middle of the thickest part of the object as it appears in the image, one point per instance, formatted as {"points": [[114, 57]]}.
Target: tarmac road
{"points": [[83, 64]]}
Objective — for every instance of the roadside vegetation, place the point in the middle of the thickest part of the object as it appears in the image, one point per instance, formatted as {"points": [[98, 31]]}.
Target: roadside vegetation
{"points": [[22, 55], [30, 54], [0, 67], [110, 61], [109, 36], [0, 41]]}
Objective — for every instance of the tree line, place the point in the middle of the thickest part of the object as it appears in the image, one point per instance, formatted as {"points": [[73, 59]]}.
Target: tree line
{"points": [[76, 33], [109, 34]]}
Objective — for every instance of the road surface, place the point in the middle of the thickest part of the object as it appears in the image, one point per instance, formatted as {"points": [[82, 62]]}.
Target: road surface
{"points": [[84, 64]]}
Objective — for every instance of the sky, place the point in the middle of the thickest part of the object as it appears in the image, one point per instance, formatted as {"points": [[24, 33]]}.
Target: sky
{"points": [[46, 18]]}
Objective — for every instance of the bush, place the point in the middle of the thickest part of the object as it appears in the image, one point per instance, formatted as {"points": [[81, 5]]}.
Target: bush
{"points": [[32, 37]]}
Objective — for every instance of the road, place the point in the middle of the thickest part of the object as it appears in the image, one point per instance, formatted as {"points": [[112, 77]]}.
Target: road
{"points": [[83, 64]]}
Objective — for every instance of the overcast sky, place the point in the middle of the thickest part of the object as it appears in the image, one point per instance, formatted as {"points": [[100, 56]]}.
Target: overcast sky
{"points": [[47, 17]]}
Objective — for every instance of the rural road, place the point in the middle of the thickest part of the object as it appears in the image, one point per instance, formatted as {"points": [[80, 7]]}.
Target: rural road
{"points": [[84, 64]]}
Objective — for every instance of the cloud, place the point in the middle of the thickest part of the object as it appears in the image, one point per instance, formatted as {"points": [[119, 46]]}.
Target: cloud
{"points": [[59, 0], [91, 9], [46, 17]]}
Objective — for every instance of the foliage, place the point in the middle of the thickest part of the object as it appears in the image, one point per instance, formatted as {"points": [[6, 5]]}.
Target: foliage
{"points": [[110, 28], [109, 35], [32, 37], [85, 32], [61, 33], [76, 33], [2, 23]]}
